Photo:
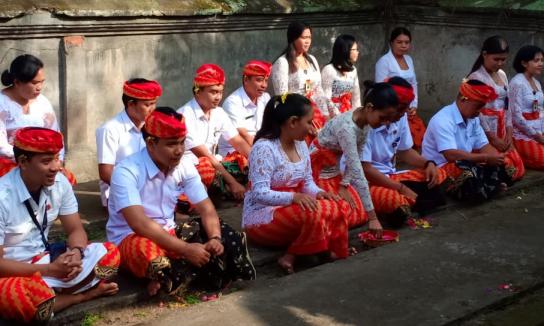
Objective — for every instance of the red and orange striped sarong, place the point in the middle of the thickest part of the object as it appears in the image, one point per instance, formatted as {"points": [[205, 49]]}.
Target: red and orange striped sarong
{"points": [[387, 200], [143, 257], [306, 232], [417, 130], [206, 171], [531, 152], [30, 299]]}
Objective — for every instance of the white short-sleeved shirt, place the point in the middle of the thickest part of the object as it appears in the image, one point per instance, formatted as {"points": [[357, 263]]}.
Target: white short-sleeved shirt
{"points": [[115, 140], [243, 113], [448, 130], [137, 181], [383, 143], [201, 131], [19, 235]]}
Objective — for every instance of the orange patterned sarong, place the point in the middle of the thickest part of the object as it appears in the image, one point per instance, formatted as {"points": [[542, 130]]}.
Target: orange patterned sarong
{"points": [[306, 232], [387, 200], [206, 171], [531, 152], [26, 299]]}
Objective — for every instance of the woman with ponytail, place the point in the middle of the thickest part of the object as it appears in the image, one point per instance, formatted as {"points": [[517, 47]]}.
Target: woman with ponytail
{"points": [[346, 135], [284, 207], [23, 105], [495, 117], [297, 71]]}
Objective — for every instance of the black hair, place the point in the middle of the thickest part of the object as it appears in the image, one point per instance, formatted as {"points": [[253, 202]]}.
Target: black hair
{"points": [[380, 95], [400, 31], [23, 68], [162, 109], [294, 31], [17, 152], [277, 112], [341, 51], [526, 53], [492, 45], [126, 98], [399, 81]]}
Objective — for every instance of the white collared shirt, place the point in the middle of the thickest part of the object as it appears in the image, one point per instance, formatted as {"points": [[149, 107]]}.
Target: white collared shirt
{"points": [[448, 130], [137, 181], [201, 131], [115, 140], [243, 113], [19, 235], [383, 143]]}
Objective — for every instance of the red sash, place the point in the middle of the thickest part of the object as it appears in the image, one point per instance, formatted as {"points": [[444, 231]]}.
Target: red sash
{"points": [[344, 100], [501, 122], [535, 115]]}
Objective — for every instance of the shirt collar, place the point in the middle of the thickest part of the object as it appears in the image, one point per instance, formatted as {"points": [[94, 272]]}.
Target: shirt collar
{"points": [[457, 117], [246, 101], [127, 123], [199, 113], [150, 166]]}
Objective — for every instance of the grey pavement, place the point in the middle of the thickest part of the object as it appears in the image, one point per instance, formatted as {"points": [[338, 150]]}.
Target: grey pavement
{"points": [[431, 277]]}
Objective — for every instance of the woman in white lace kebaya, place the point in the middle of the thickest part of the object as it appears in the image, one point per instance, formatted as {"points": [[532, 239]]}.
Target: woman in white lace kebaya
{"points": [[339, 77], [495, 117], [346, 135], [397, 62], [297, 71], [23, 105], [284, 207], [526, 102]]}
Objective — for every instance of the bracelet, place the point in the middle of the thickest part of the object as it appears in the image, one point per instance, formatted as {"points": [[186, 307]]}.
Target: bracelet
{"points": [[429, 162]]}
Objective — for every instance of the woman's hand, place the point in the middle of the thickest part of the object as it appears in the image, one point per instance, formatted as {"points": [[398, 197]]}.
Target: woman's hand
{"points": [[305, 201], [374, 225], [327, 195], [500, 144], [411, 111], [344, 193]]}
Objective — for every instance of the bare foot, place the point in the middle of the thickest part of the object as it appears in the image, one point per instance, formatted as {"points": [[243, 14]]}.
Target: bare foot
{"points": [[102, 289], [287, 263], [503, 187], [153, 287], [353, 251]]}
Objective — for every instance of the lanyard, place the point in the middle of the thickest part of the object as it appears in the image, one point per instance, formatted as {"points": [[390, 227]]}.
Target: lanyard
{"points": [[35, 220]]}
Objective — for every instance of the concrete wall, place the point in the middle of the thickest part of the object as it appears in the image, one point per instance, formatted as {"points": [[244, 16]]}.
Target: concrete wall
{"points": [[87, 61]]}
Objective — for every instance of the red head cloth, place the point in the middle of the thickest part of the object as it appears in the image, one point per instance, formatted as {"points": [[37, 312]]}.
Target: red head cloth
{"points": [[479, 93], [38, 140], [405, 95], [149, 90], [162, 125], [257, 68], [208, 75]]}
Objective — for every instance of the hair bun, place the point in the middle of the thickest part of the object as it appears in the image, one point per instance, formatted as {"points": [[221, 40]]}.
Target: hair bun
{"points": [[7, 78]]}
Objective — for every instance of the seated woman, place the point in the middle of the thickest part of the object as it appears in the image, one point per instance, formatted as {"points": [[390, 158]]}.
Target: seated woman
{"points": [[284, 207], [496, 117], [526, 102], [23, 105], [346, 134], [397, 194]]}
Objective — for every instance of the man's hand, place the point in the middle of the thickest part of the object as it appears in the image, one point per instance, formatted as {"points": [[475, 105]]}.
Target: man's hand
{"points": [[495, 159], [214, 247], [431, 175], [237, 190], [64, 267], [196, 254]]}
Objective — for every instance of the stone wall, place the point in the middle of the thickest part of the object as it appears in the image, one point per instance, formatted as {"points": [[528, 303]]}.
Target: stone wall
{"points": [[87, 58]]}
